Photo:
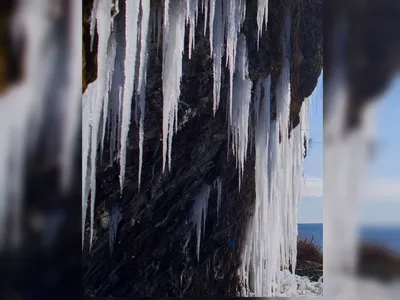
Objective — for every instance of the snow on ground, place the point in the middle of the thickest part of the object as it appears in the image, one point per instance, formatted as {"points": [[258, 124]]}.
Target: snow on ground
{"points": [[295, 285]]}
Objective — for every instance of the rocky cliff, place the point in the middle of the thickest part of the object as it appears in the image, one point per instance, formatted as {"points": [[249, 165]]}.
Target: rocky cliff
{"points": [[154, 253]]}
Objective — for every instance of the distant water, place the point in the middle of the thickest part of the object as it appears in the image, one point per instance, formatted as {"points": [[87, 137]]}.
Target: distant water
{"points": [[386, 236], [311, 231]]}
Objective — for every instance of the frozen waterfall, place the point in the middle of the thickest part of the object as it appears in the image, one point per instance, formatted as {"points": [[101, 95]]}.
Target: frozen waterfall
{"points": [[121, 79]]}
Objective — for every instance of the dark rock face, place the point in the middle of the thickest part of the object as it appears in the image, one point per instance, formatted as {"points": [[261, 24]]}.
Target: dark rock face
{"points": [[155, 249]]}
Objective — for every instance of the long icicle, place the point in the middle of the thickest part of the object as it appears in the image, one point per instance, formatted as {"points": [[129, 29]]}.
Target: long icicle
{"points": [[217, 24], [141, 88], [103, 30], [174, 33], [239, 126], [262, 18], [110, 63], [131, 38]]}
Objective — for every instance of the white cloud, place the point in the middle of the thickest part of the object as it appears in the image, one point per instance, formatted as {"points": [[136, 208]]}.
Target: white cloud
{"points": [[383, 188], [374, 188], [312, 187]]}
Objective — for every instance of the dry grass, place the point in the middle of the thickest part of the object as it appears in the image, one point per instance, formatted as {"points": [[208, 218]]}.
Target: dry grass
{"points": [[308, 250], [378, 261]]}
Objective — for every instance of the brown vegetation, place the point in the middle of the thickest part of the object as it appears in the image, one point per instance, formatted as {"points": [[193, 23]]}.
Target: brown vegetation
{"points": [[309, 259], [307, 250], [378, 262]]}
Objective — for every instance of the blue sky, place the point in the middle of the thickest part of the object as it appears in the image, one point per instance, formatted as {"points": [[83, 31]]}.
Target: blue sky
{"points": [[311, 208], [385, 168], [384, 172]]}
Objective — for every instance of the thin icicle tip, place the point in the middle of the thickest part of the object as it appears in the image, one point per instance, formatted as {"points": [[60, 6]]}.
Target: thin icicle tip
{"points": [[199, 214]]}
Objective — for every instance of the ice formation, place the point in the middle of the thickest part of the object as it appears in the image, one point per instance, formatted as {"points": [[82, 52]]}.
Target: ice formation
{"points": [[191, 19], [199, 214], [131, 40], [257, 231], [173, 46], [24, 106], [103, 22], [295, 285], [239, 124], [232, 15], [217, 22], [141, 87], [72, 106], [347, 154], [262, 17], [272, 235], [224, 21]]}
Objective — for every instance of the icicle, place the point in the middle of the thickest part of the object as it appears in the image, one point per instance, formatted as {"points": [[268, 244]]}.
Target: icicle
{"points": [[131, 37], [297, 179], [110, 63], [272, 230], [242, 11], [205, 15], [28, 107], [116, 92], [199, 214], [166, 17], [4, 155], [103, 31], [271, 242], [231, 41], [174, 38], [116, 8], [241, 107], [114, 96], [115, 218], [256, 246], [93, 23], [211, 25], [262, 18], [95, 117], [283, 117], [141, 88], [86, 134], [73, 98], [191, 19], [217, 21], [12, 158]]}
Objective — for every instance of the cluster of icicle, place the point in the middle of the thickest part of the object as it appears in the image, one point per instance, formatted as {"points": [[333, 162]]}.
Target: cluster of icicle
{"points": [[272, 233], [121, 78], [122, 69], [29, 107]]}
